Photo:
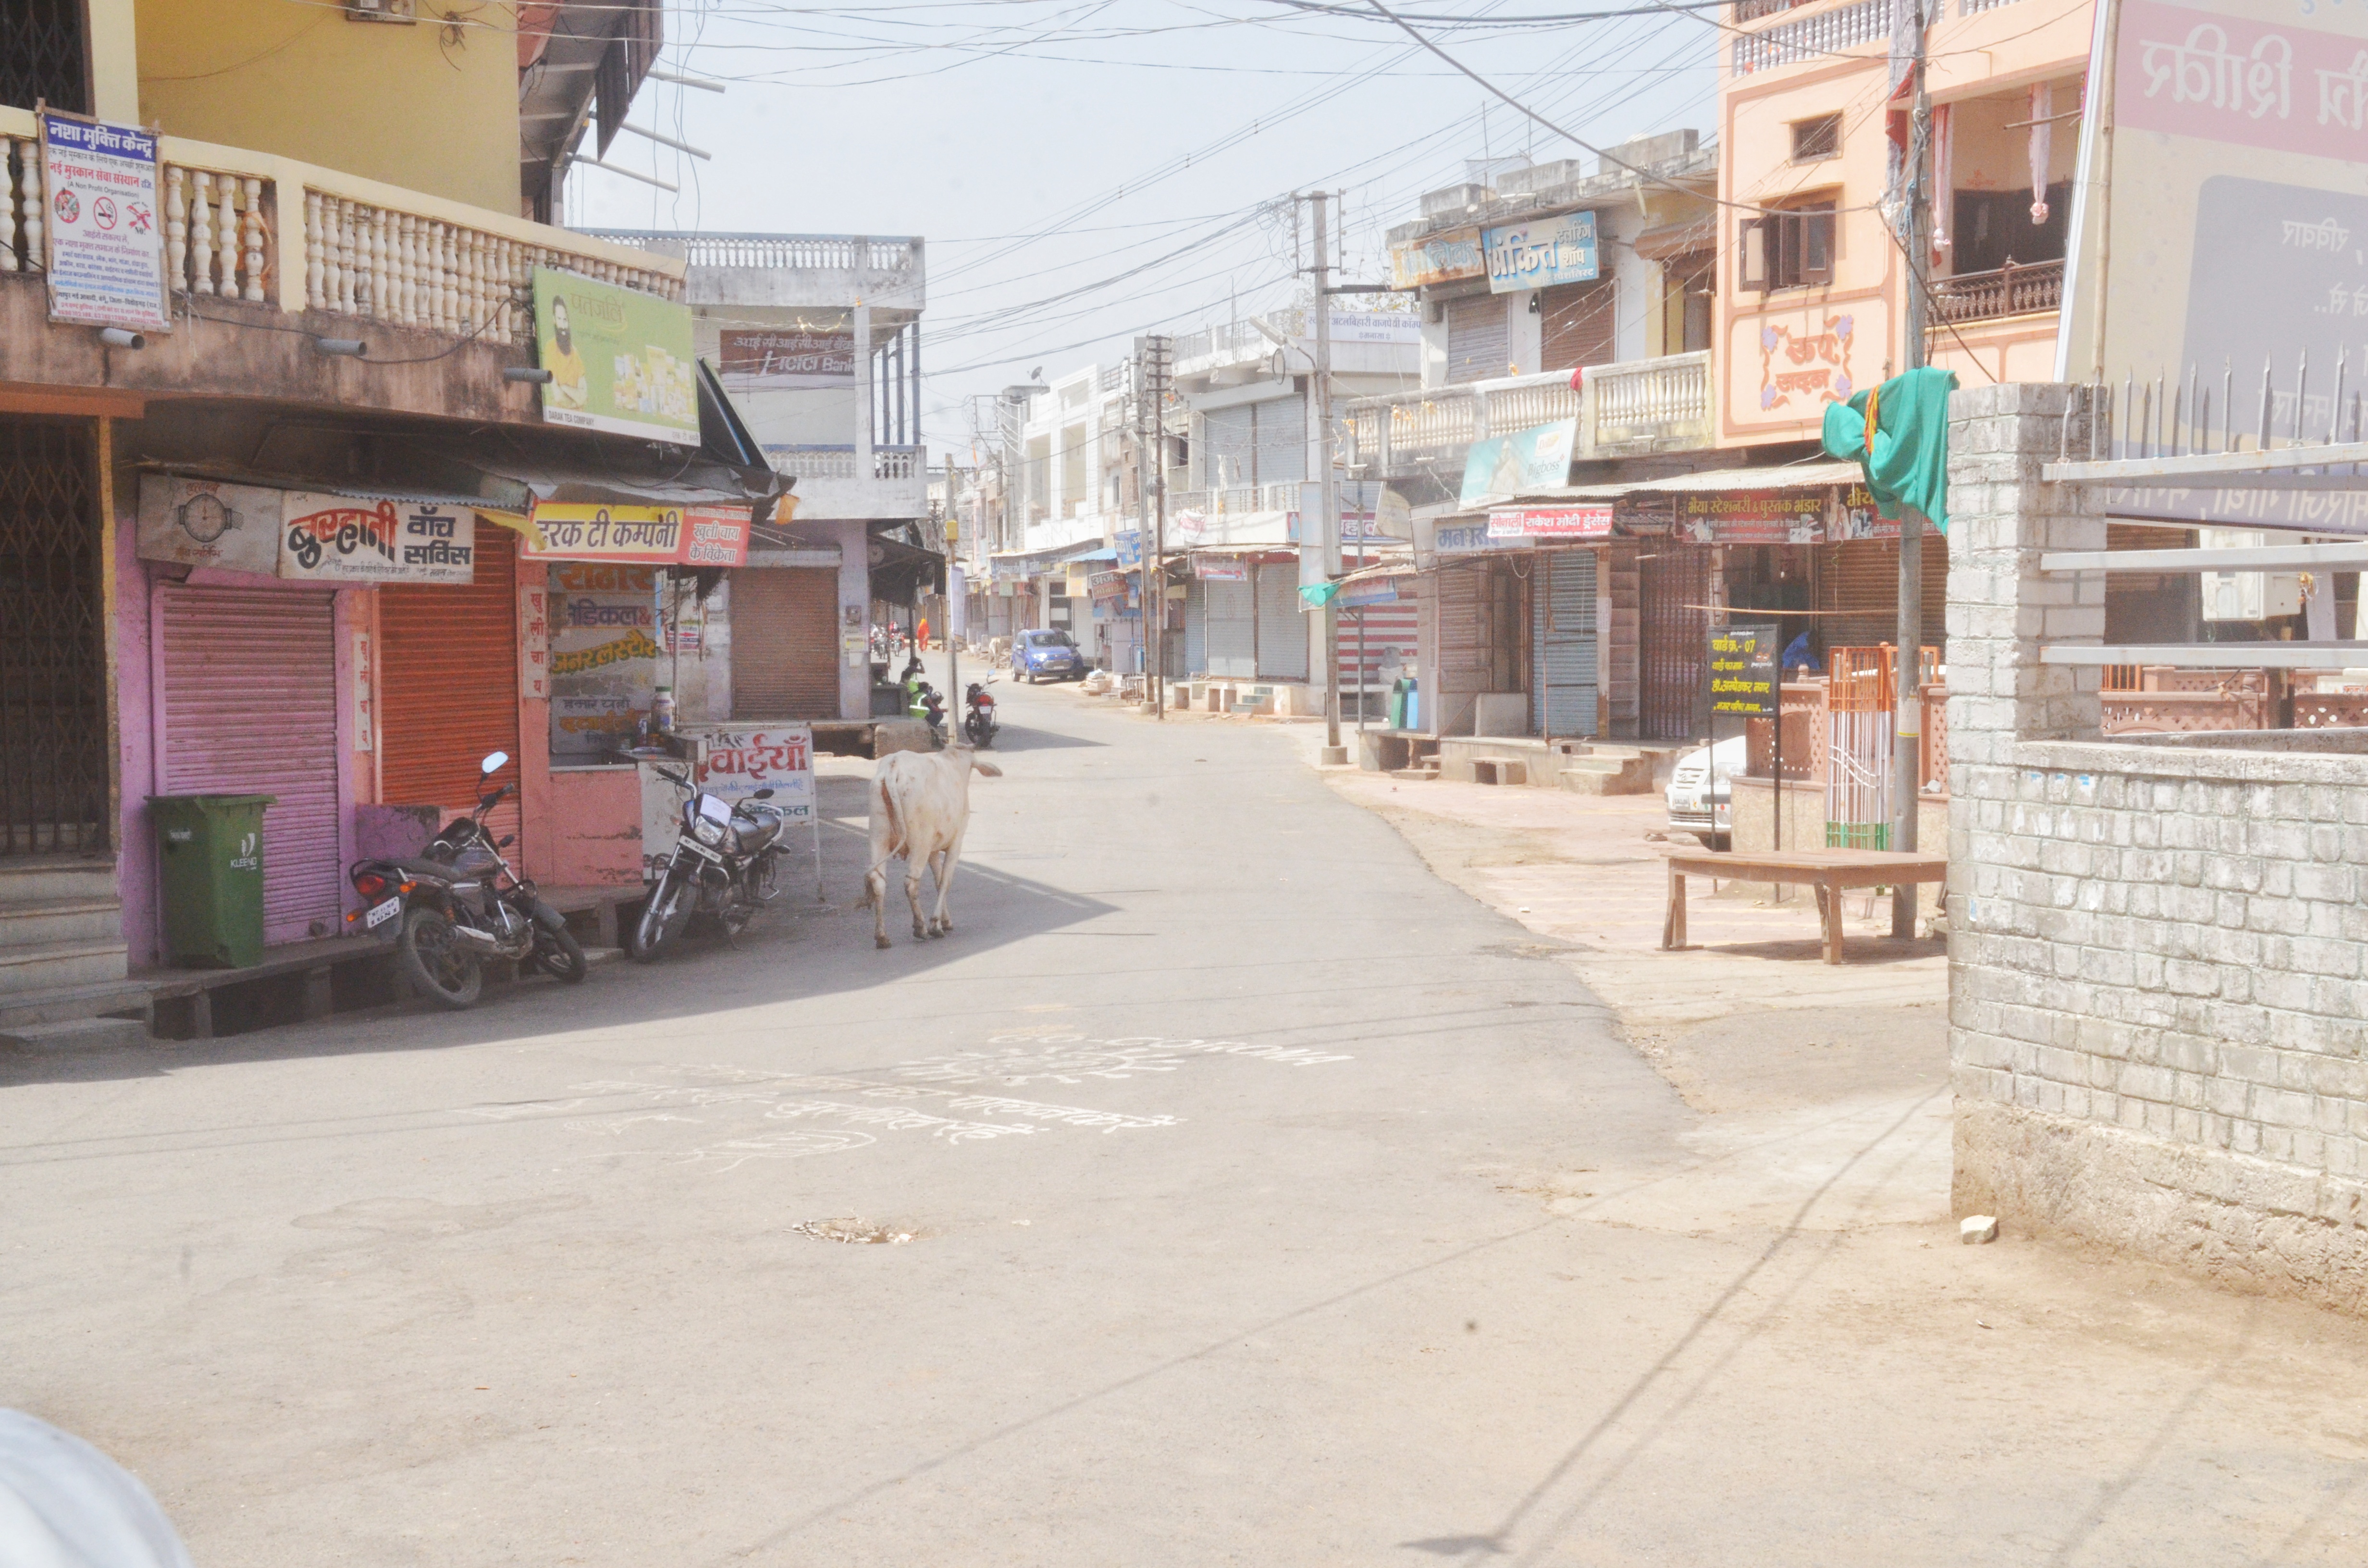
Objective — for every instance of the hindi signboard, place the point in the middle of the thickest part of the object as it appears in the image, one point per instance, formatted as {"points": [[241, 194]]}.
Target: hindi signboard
{"points": [[1542, 254], [1441, 259], [1221, 569], [620, 361], [715, 536], [1550, 522], [336, 539], [1753, 516], [106, 240], [776, 360], [735, 764], [1743, 670], [2238, 227], [638, 536]]}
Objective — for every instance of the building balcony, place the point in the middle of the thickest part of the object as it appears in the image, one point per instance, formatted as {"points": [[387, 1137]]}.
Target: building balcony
{"points": [[1628, 409], [832, 482], [2009, 291], [1236, 500], [253, 240], [789, 272]]}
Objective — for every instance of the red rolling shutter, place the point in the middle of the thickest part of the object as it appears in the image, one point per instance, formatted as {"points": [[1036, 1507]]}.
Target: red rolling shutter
{"points": [[449, 685], [785, 642]]}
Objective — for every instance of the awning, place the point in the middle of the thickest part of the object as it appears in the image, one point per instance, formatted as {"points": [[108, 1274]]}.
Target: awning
{"points": [[1673, 240], [1787, 476], [1092, 552]]}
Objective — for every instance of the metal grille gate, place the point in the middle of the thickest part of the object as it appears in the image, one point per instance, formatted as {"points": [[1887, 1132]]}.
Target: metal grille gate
{"points": [[1562, 599], [53, 776], [1674, 588], [44, 58]]}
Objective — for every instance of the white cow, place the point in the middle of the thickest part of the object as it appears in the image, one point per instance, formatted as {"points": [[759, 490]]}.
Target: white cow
{"points": [[920, 808]]}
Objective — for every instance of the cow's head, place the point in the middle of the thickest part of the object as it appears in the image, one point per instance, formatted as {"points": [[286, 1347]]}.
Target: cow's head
{"points": [[968, 753]]}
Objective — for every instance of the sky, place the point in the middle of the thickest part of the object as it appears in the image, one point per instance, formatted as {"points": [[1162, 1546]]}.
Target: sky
{"points": [[1087, 170]]}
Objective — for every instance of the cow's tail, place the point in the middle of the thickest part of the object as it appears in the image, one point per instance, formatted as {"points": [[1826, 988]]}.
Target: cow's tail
{"points": [[986, 768], [887, 798]]}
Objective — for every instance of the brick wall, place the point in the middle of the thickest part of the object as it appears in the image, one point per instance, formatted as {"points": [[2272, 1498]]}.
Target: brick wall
{"points": [[2158, 954]]}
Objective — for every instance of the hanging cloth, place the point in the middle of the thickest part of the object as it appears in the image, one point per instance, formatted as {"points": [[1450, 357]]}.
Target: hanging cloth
{"points": [[2043, 148], [1944, 146], [1898, 434]]}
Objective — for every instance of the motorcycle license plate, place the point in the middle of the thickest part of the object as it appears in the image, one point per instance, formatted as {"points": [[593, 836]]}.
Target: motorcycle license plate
{"points": [[381, 914]]}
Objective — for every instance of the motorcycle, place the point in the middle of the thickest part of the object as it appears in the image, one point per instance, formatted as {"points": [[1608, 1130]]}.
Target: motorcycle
{"points": [[457, 903], [979, 720], [726, 863], [926, 705]]}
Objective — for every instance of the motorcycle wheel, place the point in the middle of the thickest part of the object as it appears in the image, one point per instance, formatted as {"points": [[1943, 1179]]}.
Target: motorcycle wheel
{"points": [[435, 963], [556, 951], [663, 918]]}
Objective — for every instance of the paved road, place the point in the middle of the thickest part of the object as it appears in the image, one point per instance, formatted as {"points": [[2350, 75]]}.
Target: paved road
{"points": [[1270, 1201]]}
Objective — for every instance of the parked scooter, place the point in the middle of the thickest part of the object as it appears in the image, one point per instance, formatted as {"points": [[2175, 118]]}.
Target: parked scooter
{"points": [[457, 903], [726, 863], [979, 720]]}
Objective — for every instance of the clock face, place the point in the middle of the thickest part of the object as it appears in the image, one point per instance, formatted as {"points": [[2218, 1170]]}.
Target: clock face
{"points": [[205, 518]]}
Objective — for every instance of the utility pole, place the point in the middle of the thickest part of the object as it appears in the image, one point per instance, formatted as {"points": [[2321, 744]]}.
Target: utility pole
{"points": [[1907, 699], [1156, 370], [1327, 487]]}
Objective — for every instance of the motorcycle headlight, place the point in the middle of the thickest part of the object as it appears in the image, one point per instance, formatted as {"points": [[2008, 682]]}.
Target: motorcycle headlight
{"points": [[708, 831]]}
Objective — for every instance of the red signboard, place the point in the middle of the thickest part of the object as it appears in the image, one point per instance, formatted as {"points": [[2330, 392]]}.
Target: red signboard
{"points": [[715, 536], [1550, 522]]}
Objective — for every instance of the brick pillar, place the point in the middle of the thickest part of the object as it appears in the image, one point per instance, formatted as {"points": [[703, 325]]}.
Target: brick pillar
{"points": [[2002, 609]]}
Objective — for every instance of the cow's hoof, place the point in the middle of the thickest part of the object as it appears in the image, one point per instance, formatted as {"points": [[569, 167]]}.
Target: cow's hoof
{"points": [[881, 942]]}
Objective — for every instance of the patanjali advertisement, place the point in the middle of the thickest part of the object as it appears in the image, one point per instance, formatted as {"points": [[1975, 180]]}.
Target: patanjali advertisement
{"points": [[620, 361]]}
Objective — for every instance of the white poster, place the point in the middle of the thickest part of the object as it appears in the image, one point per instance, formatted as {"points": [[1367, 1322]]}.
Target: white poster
{"points": [[199, 522], [735, 764], [106, 243], [335, 538]]}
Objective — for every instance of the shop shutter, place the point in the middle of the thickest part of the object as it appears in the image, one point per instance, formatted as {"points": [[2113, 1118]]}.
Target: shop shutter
{"points": [[1196, 627], [1674, 588], [1463, 632], [1858, 592], [1281, 438], [785, 642], [1477, 344], [250, 703], [448, 687], [1233, 630], [1562, 596], [1576, 322], [1281, 626], [1228, 447]]}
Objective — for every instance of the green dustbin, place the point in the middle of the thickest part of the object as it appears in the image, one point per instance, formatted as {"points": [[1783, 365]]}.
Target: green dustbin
{"points": [[210, 853]]}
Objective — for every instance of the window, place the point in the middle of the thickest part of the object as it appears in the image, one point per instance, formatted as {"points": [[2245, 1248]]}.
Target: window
{"points": [[1792, 249], [1816, 139]]}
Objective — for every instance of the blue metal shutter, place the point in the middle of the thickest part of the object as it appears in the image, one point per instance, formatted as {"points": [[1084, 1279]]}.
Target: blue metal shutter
{"points": [[1562, 694]]}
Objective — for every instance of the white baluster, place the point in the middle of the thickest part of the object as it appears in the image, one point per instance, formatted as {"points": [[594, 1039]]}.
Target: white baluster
{"points": [[255, 241], [405, 230], [316, 255], [30, 207], [202, 233], [177, 227], [345, 254], [333, 269], [382, 287], [448, 277], [513, 319], [470, 314], [226, 236], [8, 262]]}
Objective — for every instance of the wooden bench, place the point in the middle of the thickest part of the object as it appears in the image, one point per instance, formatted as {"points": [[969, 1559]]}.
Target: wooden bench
{"points": [[1830, 871]]}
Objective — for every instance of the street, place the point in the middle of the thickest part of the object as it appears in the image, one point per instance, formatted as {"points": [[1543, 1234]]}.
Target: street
{"points": [[1250, 1195]]}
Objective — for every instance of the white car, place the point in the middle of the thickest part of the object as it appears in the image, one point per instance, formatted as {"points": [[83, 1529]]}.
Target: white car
{"points": [[1699, 794]]}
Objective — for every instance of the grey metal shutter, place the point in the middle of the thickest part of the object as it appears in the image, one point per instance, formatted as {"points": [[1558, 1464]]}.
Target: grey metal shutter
{"points": [[1282, 627], [1477, 345], [1228, 447], [1196, 627], [1562, 596], [1231, 622], [1281, 438]]}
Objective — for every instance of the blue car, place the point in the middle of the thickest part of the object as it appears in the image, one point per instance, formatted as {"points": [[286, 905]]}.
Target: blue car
{"points": [[1046, 655]]}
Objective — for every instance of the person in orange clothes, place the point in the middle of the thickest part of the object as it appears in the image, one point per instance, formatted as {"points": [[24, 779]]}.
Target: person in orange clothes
{"points": [[921, 633]]}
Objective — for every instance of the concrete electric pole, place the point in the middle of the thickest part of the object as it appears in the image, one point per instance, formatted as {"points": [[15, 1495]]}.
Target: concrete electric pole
{"points": [[1907, 698], [1154, 358], [1327, 487]]}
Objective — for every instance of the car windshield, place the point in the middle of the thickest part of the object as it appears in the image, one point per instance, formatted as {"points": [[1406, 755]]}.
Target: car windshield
{"points": [[1051, 640]]}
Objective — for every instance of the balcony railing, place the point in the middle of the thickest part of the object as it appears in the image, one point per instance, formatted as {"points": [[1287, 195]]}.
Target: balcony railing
{"points": [[1812, 38], [1638, 405], [843, 462], [1752, 10], [775, 253], [272, 231], [1233, 500], [2009, 291], [1230, 341]]}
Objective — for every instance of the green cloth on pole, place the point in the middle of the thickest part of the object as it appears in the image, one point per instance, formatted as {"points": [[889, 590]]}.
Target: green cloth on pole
{"points": [[1908, 463], [1315, 595]]}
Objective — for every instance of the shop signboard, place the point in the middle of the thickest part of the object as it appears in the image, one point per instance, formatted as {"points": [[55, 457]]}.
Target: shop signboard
{"points": [[1441, 259], [1130, 547], [534, 643], [2239, 232], [201, 522], [1107, 585], [620, 361], [1221, 569], [785, 358], [1375, 326], [337, 539], [1752, 517], [106, 240], [715, 536], [1541, 254], [1504, 466], [1467, 539], [1550, 522], [1371, 591], [1854, 517], [1742, 667], [639, 536], [735, 764], [604, 657]]}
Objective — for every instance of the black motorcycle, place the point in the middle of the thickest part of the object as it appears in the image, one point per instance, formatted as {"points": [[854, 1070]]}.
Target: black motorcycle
{"points": [[726, 863], [979, 720], [457, 904]]}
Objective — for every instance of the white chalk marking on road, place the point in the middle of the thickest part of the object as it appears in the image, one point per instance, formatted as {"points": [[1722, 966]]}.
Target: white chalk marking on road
{"points": [[897, 1119], [732, 1155], [616, 1124]]}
